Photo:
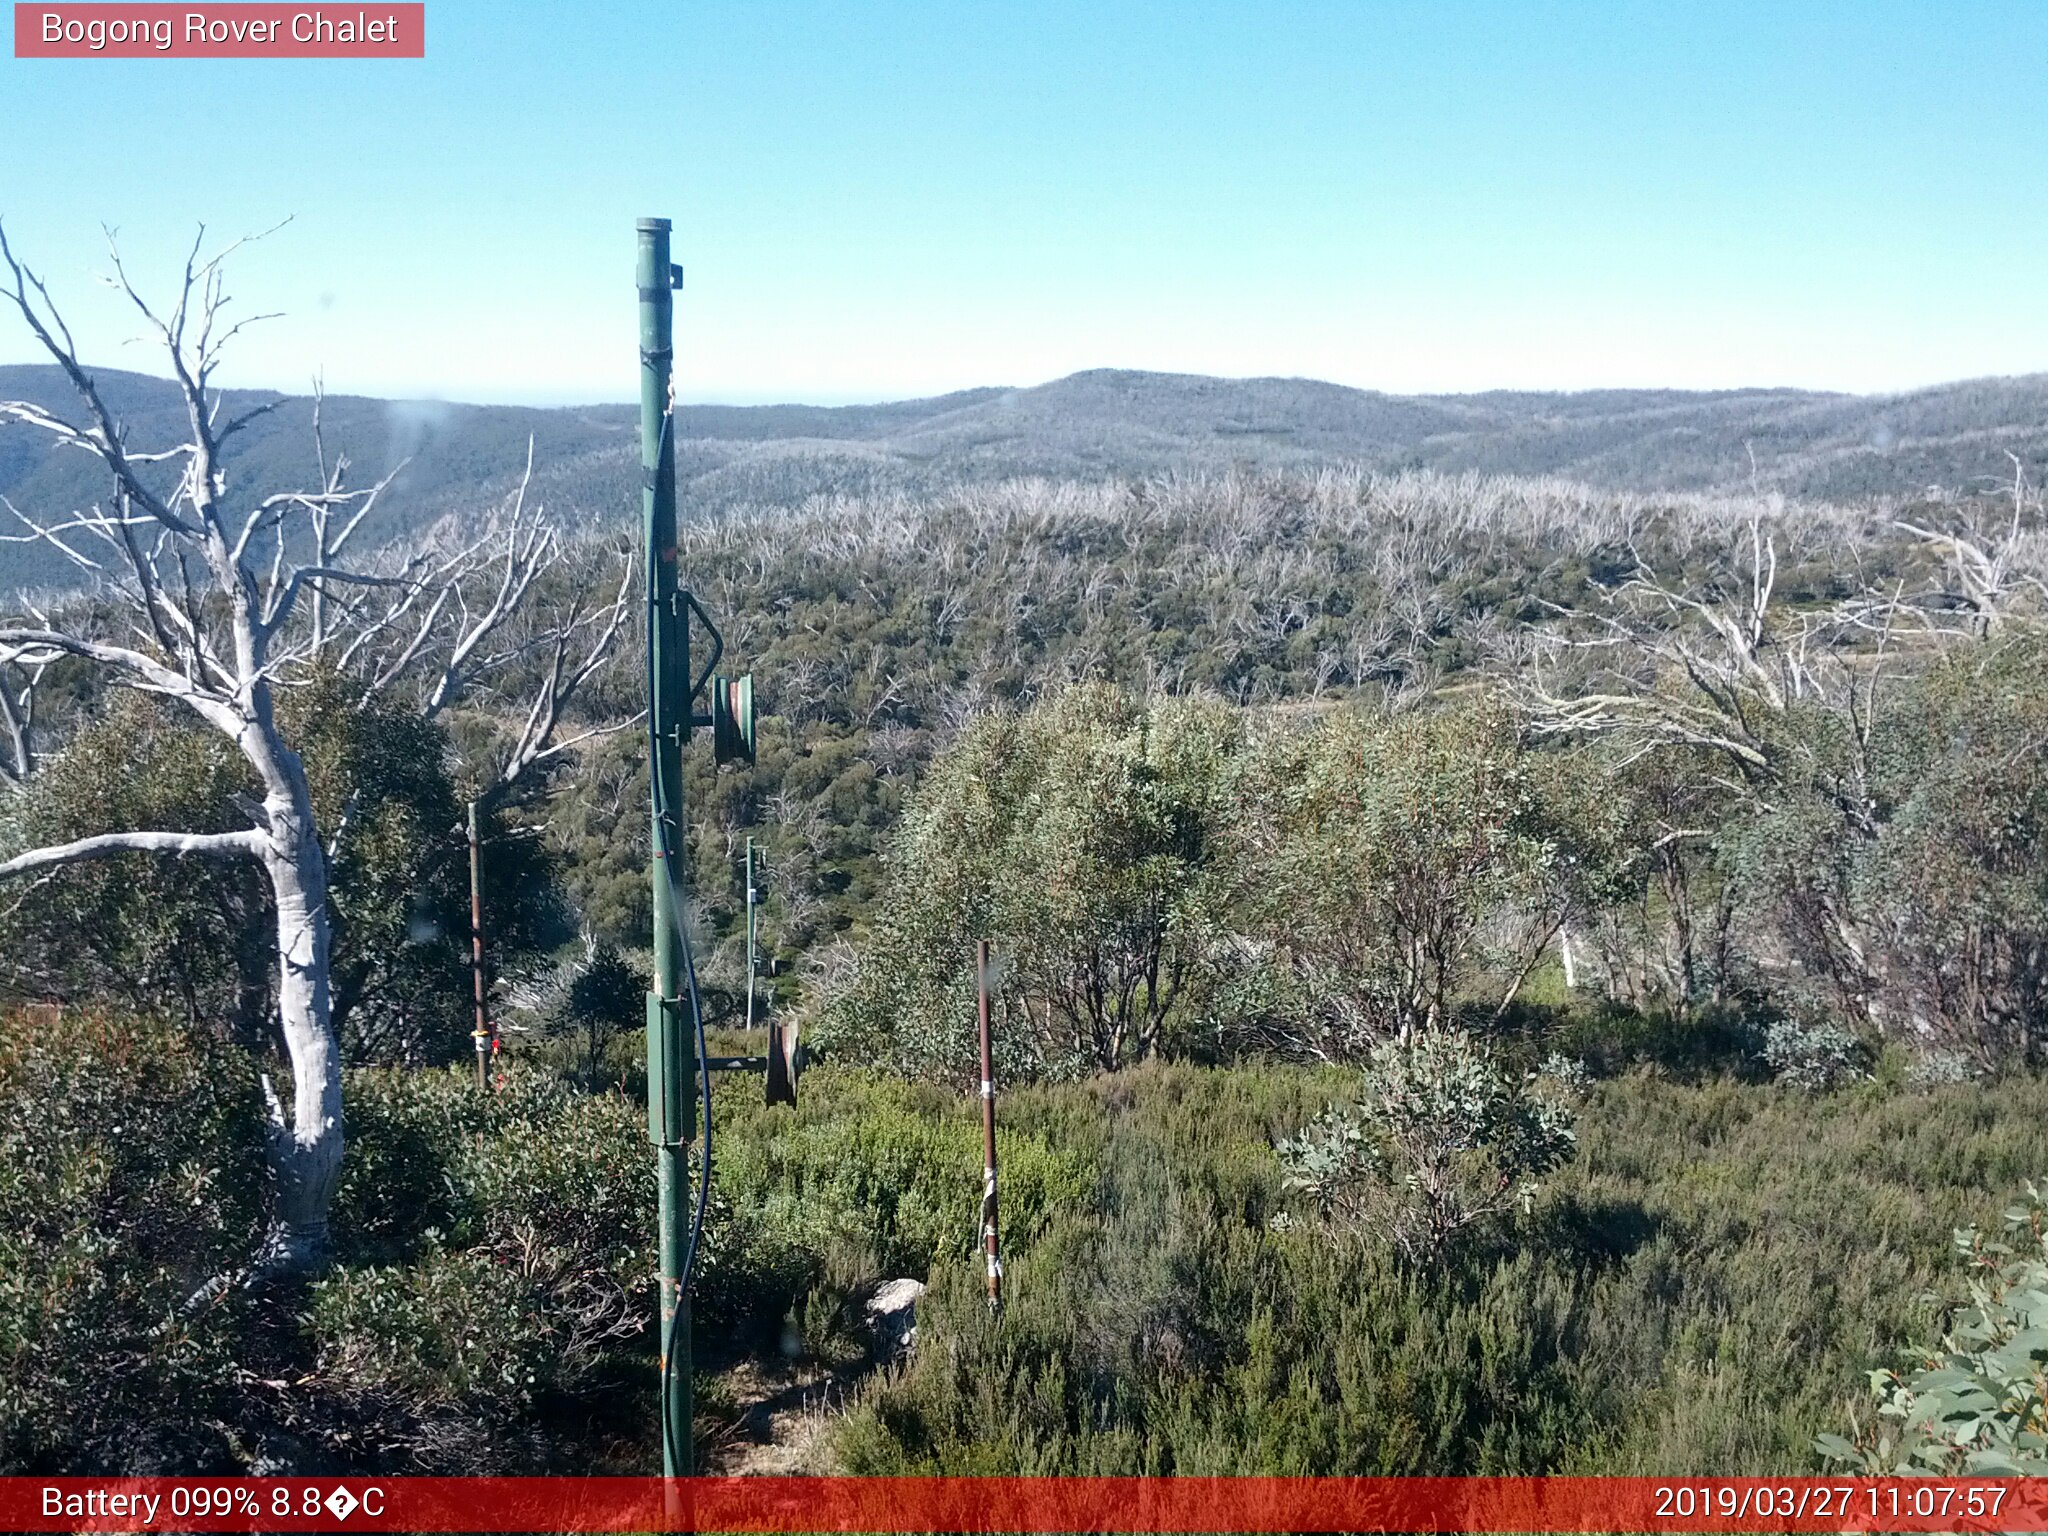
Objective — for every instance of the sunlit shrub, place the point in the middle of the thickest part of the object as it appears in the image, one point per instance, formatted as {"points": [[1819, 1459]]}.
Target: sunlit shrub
{"points": [[1813, 1056], [510, 1238], [1441, 1137]]}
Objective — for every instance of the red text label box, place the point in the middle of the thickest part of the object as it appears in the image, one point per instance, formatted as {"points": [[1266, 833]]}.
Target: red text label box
{"points": [[232, 31]]}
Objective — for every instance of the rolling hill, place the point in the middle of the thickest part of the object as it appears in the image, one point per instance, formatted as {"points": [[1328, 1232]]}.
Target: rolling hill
{"points": [[1104, 423]]}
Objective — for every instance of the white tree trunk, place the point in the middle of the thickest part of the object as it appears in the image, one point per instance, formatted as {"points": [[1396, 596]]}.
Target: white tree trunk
{"points": [[222, 647], [306, 1145]]}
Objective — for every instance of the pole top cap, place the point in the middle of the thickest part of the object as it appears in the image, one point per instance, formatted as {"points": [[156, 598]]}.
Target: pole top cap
{"points": [[653, 225]]}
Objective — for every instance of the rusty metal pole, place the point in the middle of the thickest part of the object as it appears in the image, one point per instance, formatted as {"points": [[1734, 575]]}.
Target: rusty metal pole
{"points": [[988, 1135], [482, 1032]]}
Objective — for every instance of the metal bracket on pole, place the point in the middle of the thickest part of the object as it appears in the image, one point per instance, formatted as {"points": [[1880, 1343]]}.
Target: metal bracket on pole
{"points": [[671, 1093], [782, 1066]]}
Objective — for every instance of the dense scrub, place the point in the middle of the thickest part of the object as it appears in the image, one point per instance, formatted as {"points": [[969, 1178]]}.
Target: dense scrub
{"points": [[194, 935], [494, 1272], [877, 628], [1190, 880], [494, 1297], [1247, 778], [130, 1158], [1700, 1291]]}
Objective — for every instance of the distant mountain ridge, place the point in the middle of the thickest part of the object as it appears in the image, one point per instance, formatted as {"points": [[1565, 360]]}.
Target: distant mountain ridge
{"points": [[1102, 423]]}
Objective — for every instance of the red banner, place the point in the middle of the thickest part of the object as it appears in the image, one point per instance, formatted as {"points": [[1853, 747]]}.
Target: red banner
{"points": [[233, 31], [1027, 1504]]}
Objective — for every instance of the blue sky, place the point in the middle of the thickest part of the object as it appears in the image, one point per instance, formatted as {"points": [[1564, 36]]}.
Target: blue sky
{"points": [[880, 198]]}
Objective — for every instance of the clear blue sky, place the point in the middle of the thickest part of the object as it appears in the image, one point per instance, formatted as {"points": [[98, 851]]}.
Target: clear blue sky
{"points": [[880, 198]]}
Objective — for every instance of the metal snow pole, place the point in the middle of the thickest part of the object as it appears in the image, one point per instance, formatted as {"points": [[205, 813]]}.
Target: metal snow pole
{"points": [[988, 1135], [671, 1047], [482, 1032]]}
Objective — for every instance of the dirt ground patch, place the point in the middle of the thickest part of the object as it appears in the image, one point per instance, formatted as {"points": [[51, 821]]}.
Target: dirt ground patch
{"points": [[781, 1419]]}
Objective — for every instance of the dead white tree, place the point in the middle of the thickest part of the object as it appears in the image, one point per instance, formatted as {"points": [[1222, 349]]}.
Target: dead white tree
{"points": [[18, 719], [216, 598], [1739, 680], [1671, 668], [1991, 581]]}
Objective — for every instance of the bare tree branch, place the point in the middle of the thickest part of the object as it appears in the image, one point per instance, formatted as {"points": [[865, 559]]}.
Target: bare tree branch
{"points": [[207, 844], [225, 602]]}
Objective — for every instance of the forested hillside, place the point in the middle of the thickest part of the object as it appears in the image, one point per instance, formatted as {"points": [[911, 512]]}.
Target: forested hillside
{"points": [[1664, 821]]}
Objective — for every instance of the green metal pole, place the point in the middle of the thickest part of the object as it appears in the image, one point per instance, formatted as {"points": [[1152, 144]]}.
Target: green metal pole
{"points": [[671, 1046]]}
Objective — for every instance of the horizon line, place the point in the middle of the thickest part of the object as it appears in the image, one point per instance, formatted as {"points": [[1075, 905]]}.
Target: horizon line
{"points": [[859, 402]]}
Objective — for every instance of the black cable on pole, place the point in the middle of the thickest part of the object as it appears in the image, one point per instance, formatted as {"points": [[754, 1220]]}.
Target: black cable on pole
{"points": [[682, 933]]}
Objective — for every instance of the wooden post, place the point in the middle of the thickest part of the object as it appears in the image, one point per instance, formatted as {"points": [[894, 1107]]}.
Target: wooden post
{"points": [[753, 967], [988, 1135], [482, 1032]]}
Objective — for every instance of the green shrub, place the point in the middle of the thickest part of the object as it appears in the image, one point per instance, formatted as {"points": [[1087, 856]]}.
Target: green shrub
{"points": [[1441, 1138], [586, 1002], [405, 1128], [1085, 837], [1814, 1055], [1976, 1403], [1639, 1323], [130, 1172], [1714, 1042], [867, 1178], [504, 1258], [453, 1328], [1939, 1068], [1400, 866], [178, 937], [195, 937]]}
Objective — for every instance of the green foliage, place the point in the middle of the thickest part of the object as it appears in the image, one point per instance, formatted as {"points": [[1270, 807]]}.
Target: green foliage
{"points": [[1152, 884], [1308, 874], [877, 629], [1975, 1404], [1889, 863], [881, 629], [590, 999], [385, 792], [143, 932], [1813, 1056], [1959, 883], [1636, 1322], [404, 1129], [1085, 839], [498, 1256], [1441, 1137], [1400, 864], [130, 1178], [1658, 936], [197, 934], [866, 1178]]}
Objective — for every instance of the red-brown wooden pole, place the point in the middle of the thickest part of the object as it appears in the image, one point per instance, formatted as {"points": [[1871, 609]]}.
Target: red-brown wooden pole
{"points": [[988, 1135], [482, 1031]]}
